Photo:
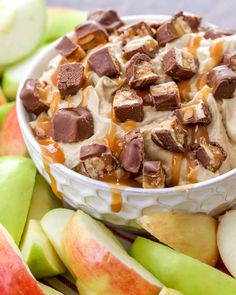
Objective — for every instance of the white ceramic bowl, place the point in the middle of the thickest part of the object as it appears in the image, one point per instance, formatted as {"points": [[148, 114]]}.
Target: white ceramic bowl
{"points": [[212, 196]]}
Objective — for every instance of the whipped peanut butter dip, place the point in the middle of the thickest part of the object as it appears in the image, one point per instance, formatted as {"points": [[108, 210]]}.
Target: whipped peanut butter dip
{"points": [[149, 104]]}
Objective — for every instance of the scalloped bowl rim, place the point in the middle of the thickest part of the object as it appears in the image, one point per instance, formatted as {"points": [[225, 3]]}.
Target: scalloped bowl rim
{"points": [[23, 121]]}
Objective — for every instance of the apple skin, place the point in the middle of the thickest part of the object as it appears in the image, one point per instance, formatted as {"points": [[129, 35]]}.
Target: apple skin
{"points": [[62, 20], [17, 177], [181, 272], [11, 140], [185, 232], [96, 266], [15, 278], [3, 99], [226, 240], [49, 291], [4, 110]]}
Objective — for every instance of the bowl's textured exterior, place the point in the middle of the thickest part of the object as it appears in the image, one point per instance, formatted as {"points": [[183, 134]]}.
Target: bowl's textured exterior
{"points": [[212, 196]]}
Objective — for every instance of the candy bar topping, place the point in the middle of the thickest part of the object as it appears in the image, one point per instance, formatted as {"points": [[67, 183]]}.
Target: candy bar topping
{"points": [[165, 96], [30, 96], [170, 135], [104, 63], [214, 33], [211, 155], [90, 35], [194, 114], [72, 125], [109, 19], [140, 71], [153, 174], [131, 157], [222, 80], [127, 105], [139, 29], [229, 59], [192, 20], [179, 64], [70, 50], [70, 78]]}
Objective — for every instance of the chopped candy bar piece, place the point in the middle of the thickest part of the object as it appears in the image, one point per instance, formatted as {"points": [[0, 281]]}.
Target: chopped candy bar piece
{"points": [[229, 60], [214, 33], [70, 50], [139, 29], [192, 20], [153, 175]]}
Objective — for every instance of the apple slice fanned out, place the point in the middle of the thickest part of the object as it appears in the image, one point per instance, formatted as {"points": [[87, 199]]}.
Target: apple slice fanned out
{"points": [[188, 233], [95, 257], [50, 291], [15, 278]]}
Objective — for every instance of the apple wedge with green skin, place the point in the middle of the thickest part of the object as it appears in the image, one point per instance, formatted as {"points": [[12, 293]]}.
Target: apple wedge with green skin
{"points": [[226, 240], [48, 290], [38, 252], [43, 199], [15, 278], [22, 27], [3, 99], [186, 232], [4, 110], [62, 20], [11, 139], [181, 272], [17, 177], [95, 257]]}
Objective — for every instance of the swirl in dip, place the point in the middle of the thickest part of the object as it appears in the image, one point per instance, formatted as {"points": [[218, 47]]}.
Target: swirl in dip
{"points": [[147, 104]]}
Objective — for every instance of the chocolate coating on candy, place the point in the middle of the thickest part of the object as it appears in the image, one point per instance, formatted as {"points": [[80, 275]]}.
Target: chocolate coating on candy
{"points": [[166, 33], [30, 96], [93, 150], [214, 33], [138, 29], [229, 59], [109, 19], [165, 96], [179, 64], [127, 105], [140, 71], [70, 78], [131, 157], [146, 96], [70, 50], [222, 80], [210, 154], [192, 20], [103, 63], [72, 125], [153, 175], [90, 34]]}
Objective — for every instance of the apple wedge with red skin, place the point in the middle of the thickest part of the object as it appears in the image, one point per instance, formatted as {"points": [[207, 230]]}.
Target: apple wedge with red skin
{"points": [[11, 140], [15, 278], [95, 257]]}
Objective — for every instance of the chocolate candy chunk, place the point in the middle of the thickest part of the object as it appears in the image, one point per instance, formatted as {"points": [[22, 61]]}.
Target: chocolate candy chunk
{"points": [[131, 157], [70, 50], [109, 19], [146, 96], [222, 80], [90, 35], [127, 105], [153, 175], [97, 160], [30, 96], [210, 154], [139, 29], [192, 20], [165, 96], [229, 59], [70, 78], [170, 135], [104, 63], [194, 114], [72, 125], [179, 64], [146, 45], [214, 33], [140, 71]]}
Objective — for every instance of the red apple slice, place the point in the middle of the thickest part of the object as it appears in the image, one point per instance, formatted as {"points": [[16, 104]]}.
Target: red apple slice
{"points": [[15, 278]]}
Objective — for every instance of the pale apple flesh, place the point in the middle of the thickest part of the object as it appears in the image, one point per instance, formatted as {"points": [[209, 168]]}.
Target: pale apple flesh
{"points": [[38, 252], [167, 291], [49, 291], [181, 272], [15, 278], [188, 233], [100, 263], [226, 239]]}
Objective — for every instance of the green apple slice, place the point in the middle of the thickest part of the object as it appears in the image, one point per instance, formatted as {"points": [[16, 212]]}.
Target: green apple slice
{"points": [[23, 25], [38, 252], [62, 20], [181, 272], [49, 291], [4, 110], [13, 74], [17, 177], [43, 199]]}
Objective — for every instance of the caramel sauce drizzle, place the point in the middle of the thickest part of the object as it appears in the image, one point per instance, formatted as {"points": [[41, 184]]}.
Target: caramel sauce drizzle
{"points": [[54, 103], [201, 82], [45, 123], [216, 52], [194, 43], [51, 152], [176, 166], [54, 77], [191, 169], [184, 89]]}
